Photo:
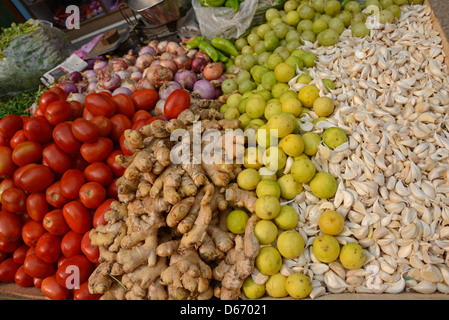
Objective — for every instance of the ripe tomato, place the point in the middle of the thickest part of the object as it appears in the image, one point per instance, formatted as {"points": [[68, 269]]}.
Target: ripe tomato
{"points": [[35, 178], [58, 111], [84, 269], [103, 124], [10, 246], [97, 151], [10, 124], [5, 141], [78, 161], [71, 182], [71, 244], [27, 152], [65, 139], [141, 115], [22, 278], [17, 138], [138, 124], [37, 282], [123, 147], [119, 123], [14, 200], [57, 160], [54, 197], [153, 119], [47, 98], [60, 92], [38, 129], [31, 232], [77, 109], [7, 165], [8, 269], [10, 226], [90, 252], [48, 247], [113, 189], [87, 115], [85, 130], [20, 254], [100, 211], [125, 104], [100, 105], [54, 222], [53, 290], [82, 293], [5, 184], [37, 206], [145, 99], [99, 172], [92, 194], [117, 169], [77, 216], [38, 268], [177, 101]]}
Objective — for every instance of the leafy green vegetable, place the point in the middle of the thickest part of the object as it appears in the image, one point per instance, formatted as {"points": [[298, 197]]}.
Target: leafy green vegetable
{"points": [[19, 103], [17, 30]]}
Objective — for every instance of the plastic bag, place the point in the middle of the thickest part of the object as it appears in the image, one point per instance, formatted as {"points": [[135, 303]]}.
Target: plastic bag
{"points": [[223, 22], [28, 57]]}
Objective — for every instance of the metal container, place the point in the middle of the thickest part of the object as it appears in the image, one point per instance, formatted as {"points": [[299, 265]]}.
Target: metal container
{"points": [[157, 12]]}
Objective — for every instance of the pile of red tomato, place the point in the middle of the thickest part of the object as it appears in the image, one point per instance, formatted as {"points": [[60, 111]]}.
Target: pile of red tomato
{"points": [[58, 174]]}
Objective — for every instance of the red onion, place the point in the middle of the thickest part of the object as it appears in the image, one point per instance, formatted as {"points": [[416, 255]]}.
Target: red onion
{"points": [[201, 54], [112, 82], [167, 88], [198, 65], [69, 87], [162, 46], [169, 64], [144, 83], [130, 84], [91, 87], [159, 108], [156, 62], [75, 76], [130, 58], [153, 43], [204, 89], [181, 50], [100, 66], [144, 61], [167, 56], [158, 75], [147, 49], [136, 75], [124, 74], [123, 90], [90, 75], [183, 61], [186, 78], [172, 47], [116, 64]]}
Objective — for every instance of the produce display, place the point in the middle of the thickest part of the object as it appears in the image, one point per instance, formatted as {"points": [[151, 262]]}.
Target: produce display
{"points": [[308, 157]]}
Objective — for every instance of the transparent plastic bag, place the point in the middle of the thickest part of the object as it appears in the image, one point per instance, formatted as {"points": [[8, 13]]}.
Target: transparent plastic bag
{"points": [[28, 57]]}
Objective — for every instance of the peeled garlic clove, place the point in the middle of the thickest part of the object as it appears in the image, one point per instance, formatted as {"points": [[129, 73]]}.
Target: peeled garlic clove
{"points": [[425, 286]]}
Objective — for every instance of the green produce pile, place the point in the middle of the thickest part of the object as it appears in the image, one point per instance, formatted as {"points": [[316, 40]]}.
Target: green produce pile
{"points": [[234, 4], [19, 103]]}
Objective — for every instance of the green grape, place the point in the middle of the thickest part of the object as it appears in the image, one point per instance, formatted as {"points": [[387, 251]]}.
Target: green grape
{"points": [[305, 25], [386, 3], [243, 75], [416, 1], [306, 12], [234, 99], [353, 6], [292, 18], [273, 60], [337, 25], [386, 16], [294, 61], [252, 39], [292, 35], [283, 52], [290, 5], [280, 30], [358, 17], [246, 86], [231, 113], [292, 45], [317, 16], [262, 29], [257, 72], [229, 85], [247, 61], [318, 5], [326, 17], [272, 13], [237, 60], [246, 50], [395, 9], [376, 3], [240, 43], [319, 26], [242, 105], [268, 80], [332, 7], [308, 35], [271, 42], [360, 30], [259, 48], [328, 37], [400, 2], [263, 58]]}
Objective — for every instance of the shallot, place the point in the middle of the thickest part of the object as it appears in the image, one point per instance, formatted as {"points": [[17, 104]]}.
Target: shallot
{"points": [[213, 70], [112, 81], [123, 90], [159, 108], [186, 78], [169, 64], [172, 47], [147, 49], [183, 61], [204, 89], [167, 88], [100, 67], [198, 64], [144, 61], [158, 75]]}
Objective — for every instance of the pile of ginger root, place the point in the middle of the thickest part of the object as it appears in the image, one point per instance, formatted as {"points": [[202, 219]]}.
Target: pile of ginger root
{"points": [[166, 237]]}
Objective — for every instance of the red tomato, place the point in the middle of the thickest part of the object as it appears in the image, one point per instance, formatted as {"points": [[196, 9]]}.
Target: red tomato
{"points": [[78, 161], [31, 232], [87, 115], [92, 194], [113, 189], [58, 111], [125, 104], [85, 130], [60, 92], [10, 124], [141, 115], [106, 93], [54, 222], [99, 172], [38, 268], [100, 105], [7, 165], [65, 139], [71, 244], [71, 182], [22, 278], [57, 160], [53, 290], [117, 169], [79, 264], [10, 246], [6, 184], [20, 254], [14, 200], [47, 98], [5, 141], [120, 123], [123, 147], [61, 260], [100, 211], [90, 252], [3, 255], [177, 101], [82, 293], [103, 124], [77, 216], [97, 151], [48, 247], [17, 138], [8, 269], [27, 152], [54, 197], [77, 109], [10, 226], [37, 282], [35, 178], [145, 99], [138, 124], [153, 119], [38, 129], [37, 206]]}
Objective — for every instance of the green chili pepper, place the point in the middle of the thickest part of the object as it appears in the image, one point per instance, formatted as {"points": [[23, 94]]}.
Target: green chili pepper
{"points": [[212, 3], [225, 45], [234, 4], [222, 57], [209, 50], [193, 44]]}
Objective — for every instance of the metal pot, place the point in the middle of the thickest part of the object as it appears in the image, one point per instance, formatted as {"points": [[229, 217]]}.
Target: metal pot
{"points": [[157, 12]]}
